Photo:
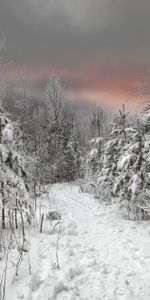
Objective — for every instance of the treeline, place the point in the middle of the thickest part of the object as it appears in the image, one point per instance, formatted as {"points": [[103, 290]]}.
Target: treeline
{"points": [[118, 168], [43, 142], [52, 140]]}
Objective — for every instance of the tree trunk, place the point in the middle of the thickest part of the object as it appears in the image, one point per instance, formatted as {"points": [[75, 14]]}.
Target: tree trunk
{"points": [[3, 218], [3, 209], [41, 225], [16, 218], [35, 204]]}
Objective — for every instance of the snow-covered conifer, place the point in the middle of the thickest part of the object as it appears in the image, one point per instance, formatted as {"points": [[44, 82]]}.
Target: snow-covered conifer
{"points": [[133, 182], [13, 190]]}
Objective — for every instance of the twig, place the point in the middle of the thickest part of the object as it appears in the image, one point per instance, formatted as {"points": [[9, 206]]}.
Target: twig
{"points": [[41, 225], [57, 249], [56, 225]]}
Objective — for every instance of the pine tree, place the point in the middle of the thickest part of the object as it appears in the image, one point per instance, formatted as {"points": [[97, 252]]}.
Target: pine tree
{"points": [[13, 193], [112, 148], [133, 182]]}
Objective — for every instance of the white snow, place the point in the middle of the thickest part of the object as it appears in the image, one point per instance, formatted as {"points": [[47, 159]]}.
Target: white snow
{"points": [[96, 140], [93, 153], [124, 162], [100, 255], [7, 136]]}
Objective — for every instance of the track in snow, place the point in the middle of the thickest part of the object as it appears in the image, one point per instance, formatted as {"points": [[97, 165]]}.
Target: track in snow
{"points": [[105, 257], [101, 256]]}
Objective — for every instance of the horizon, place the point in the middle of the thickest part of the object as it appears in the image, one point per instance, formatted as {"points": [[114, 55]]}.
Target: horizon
{"points": [[100, 50]]}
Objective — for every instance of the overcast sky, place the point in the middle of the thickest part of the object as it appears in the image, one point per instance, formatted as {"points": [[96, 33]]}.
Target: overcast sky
{"points": [[99, 47]]}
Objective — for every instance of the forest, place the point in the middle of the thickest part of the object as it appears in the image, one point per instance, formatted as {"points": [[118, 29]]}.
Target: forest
{"points": [[74, 150], [47, 144]]}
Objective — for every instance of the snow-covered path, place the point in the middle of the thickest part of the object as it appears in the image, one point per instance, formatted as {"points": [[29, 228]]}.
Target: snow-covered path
{"points": [[112, 254], [100, 255]]}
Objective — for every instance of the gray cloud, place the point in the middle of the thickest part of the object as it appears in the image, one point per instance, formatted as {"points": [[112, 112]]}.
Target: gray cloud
{"points": [[71, 32]]}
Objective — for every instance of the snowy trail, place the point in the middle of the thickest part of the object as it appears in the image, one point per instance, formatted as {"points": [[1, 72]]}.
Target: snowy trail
{"points": [[101, 256], [115, 252]]}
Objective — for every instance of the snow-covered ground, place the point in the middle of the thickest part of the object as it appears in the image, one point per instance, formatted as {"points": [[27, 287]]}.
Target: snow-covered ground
{"points": [[100, 256]]}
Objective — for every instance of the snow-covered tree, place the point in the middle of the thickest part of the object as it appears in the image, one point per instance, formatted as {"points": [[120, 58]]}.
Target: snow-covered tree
{"points": [[108, 172], [98, 122], [55, 97], [70, 161], [92, 164], [63, 150], [111, 152], [133, 182], [13, 192]]}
